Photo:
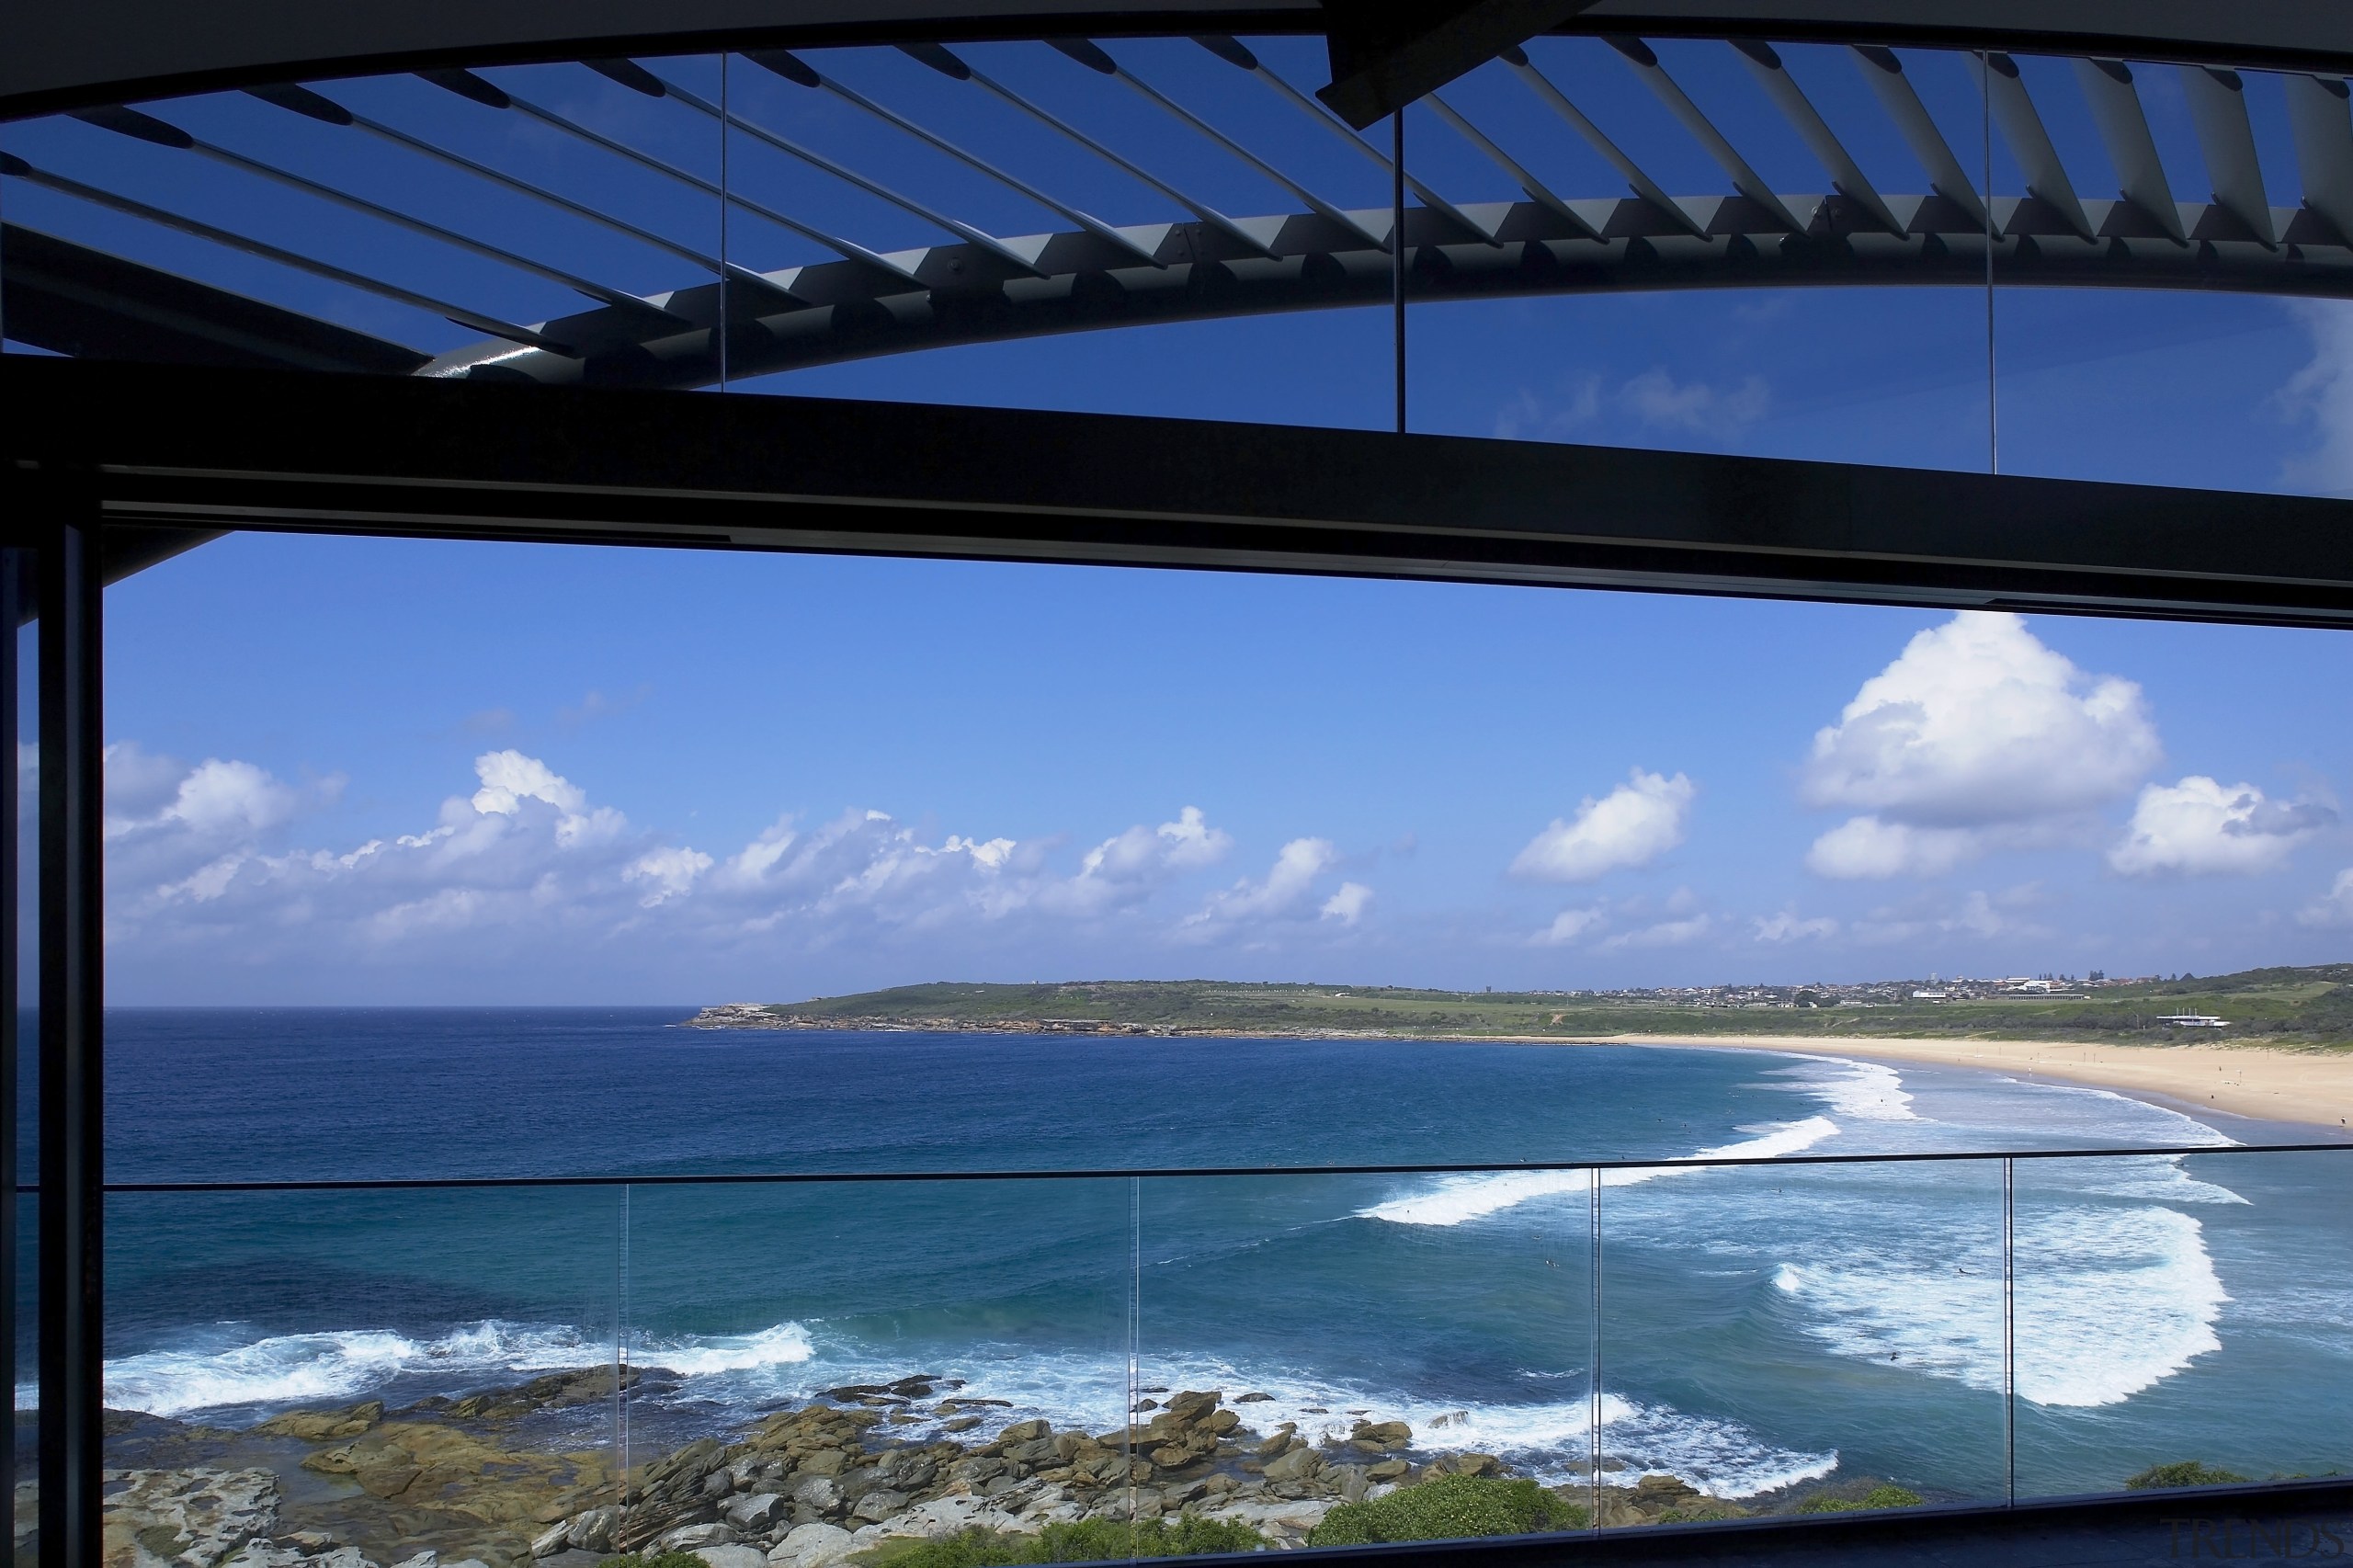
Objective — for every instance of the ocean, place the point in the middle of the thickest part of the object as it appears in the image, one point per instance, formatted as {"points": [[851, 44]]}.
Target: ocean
{"points": [[1756, 1328]]}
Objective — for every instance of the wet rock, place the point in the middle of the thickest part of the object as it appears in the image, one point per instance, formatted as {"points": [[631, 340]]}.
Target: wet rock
{"points": [[755, 1512], [597, 1529], [812, 1546], [323, 1425], [959, 1424], [688, 1538], [1023, 1432], [821, 1492], [1253, 1398], [1298, 1464], [737, 1556], [1387, 1469], [1381, 1436], [199, 1517], [1278, 1440]]}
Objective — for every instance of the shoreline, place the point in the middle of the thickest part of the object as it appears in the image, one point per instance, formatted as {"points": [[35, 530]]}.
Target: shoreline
{"points": [[2294, 1089]]}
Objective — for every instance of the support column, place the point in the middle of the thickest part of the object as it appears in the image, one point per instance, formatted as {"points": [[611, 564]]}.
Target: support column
{"points": [[71, 1000], [11, 602]]}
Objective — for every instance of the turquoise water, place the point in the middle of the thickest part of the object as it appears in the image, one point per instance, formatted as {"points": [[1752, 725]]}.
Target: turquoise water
{"points": [[1756, 1326]]}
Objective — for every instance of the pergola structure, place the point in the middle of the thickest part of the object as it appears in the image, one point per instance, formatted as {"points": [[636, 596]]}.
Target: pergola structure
{"points": [[163, 409]]}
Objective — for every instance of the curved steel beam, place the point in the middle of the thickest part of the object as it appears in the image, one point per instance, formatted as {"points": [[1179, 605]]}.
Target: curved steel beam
{"points": [[847, 313]]}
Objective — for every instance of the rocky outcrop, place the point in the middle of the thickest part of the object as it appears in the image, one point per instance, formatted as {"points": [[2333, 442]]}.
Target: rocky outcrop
{"points": [[452, 1483]]}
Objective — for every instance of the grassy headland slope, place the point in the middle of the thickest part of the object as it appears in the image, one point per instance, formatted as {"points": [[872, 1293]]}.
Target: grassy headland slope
{"points": [[2309, 1009]]}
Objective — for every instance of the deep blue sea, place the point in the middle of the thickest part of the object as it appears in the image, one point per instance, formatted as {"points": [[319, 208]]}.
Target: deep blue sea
{"points": [[1756, 1326]]}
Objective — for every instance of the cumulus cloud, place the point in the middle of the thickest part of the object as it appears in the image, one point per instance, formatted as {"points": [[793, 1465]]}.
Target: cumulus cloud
{"points": [[1789, 927], [2321, 394], [2334, 907], [1664, 933], [1285, 892], [1979, 914], [1657, 399], [1633, 824], [1348, 903], [1977, 736], [524, 857], [1867, 847], [1568, 925], [2199, 827], [1651, 401]]}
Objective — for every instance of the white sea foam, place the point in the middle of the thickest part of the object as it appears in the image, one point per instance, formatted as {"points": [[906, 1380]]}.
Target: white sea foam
{"points": [[1455, 1200], [1550, 1439], [280, 1371], [2109, 1301], [1859, 1091]]}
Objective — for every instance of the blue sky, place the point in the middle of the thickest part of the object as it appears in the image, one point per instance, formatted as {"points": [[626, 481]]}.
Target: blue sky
{"points": [[633, 776], [636, 777]]}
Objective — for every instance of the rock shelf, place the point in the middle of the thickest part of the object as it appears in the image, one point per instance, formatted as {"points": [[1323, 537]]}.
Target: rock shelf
{"points": [[458, 1483]]}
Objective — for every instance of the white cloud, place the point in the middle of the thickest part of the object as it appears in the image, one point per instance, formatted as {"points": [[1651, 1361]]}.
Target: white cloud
{"points": [[1663, 934], [1634, 824], [2322, 393], [1528, 417], [2334, 907], [1980, 915], [1347, 906], [1657, 399], [1568, 925], [1287, 892], [1865, 848], [667, 873], [525, 861], [508, 778], [1787, 926], [2201, 827], [1977, 736]]}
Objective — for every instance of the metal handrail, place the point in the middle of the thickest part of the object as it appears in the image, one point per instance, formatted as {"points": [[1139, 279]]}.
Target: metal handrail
{"points": [[788, 1178]]}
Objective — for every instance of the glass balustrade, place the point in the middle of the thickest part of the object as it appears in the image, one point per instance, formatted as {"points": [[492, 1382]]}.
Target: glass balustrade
{"points": [[819, 1370]]}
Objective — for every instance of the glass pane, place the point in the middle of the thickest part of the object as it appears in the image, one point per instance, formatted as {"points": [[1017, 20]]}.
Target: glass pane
{"points": [[392, 1371], [2210, 360], [2181, 1320], [1339, 1360], [374, 225], [1693, 318], [1142, 226], [826, 1368], [1801, 1339]]}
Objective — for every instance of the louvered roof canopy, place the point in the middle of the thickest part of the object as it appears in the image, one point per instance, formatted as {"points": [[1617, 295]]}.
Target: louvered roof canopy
{"points": [[569, 195]]}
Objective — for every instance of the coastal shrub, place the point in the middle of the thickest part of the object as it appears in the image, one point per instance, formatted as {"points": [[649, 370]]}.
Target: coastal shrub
{"points": [[1084, 1540], [1448, 1507], [1886, 1496], [2187, 1472]]}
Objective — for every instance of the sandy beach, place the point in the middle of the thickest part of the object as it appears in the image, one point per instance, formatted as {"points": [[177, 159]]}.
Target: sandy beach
{"points": [[2306, 1088]]}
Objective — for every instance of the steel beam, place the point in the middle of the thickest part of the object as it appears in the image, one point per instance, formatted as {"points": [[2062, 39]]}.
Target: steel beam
{"points": [[381, 455], [840, 313], [1643, 187], [1882, 72], [1764, 64], [2218, 109], [14, 561], [229, 240], [63, 500], [2014, 111], [1664, 88], [2124, 127], [2317, 112]]}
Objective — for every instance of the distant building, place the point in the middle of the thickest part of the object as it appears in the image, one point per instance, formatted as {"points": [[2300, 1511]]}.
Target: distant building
{"points": [[2193, 1021]]}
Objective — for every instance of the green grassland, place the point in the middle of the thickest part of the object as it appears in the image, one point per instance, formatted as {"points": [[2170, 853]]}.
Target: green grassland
{"points": [[2310, 1008]]}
